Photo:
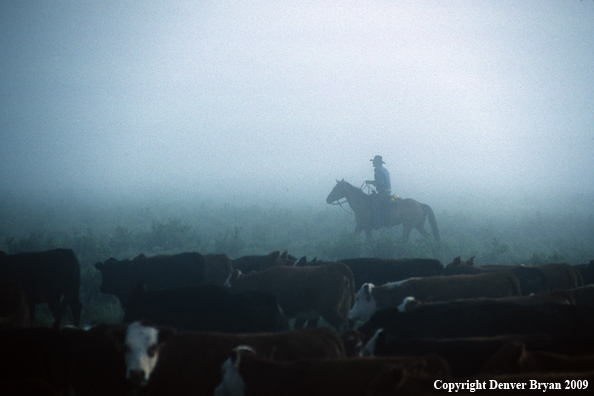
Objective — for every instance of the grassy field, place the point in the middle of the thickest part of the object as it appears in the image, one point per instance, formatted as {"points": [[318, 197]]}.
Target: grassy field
{"points": [[96, 233]]}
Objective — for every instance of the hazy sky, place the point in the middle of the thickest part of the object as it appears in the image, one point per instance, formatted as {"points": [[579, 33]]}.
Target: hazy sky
{"points": [[280, 98]]}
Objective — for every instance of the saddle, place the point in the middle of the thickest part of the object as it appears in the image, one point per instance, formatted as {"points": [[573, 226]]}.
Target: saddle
{"points": [[394, 199]]}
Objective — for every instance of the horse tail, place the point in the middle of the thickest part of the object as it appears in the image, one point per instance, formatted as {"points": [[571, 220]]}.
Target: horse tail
{"points": [[431, 217]]}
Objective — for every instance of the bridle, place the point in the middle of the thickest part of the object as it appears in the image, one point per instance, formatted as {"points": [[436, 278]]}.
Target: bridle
{"points": [[341, 203]]}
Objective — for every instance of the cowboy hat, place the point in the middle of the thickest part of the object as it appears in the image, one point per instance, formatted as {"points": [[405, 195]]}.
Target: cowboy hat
{"points": [[377, 158]]}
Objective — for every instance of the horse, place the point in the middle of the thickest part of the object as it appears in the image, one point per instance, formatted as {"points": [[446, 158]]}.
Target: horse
{"points": [[408, 212]]}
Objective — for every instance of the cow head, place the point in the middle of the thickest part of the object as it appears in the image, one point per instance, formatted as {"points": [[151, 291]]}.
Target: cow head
{"points": [[114, 276], [141, 344], [365, 305], [232, 383]]}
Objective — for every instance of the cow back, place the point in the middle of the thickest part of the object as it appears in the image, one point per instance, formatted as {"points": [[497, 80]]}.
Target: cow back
{"points": [[380, 271], [485, 318], [560, 276], [445, 288], [206, 308], [157, 273]]}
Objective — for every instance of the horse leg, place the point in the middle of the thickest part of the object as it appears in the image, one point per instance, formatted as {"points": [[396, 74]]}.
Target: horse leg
{"points": [[421, 228], [406, 229]]}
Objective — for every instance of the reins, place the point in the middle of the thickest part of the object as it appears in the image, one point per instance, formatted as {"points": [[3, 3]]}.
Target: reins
{"points": [[340, 203]]}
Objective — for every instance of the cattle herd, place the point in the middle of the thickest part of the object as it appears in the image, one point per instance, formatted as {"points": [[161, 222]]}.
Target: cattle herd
{"points": [[273, 325]]}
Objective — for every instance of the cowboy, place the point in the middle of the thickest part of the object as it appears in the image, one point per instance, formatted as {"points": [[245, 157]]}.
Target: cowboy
{"points": [[381, 182]]}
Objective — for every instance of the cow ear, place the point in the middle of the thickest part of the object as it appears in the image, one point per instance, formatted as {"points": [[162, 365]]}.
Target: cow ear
{"points": [[240, 351], [456, 261], [470, 261], [284, 255], [274, 255], [367, 289]]}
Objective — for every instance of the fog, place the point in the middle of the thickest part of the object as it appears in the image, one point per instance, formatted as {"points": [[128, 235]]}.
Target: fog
{"points": [[467, 101]]}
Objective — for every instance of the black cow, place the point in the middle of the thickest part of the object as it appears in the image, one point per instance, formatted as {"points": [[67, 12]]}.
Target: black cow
{"points": [[120, 277], [207, 308], [14, 311], [482, 318], [247, 264], [46, 276]]}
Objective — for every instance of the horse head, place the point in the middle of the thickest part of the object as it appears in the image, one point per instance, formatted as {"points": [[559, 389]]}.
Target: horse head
{"points": [[338, 192]]}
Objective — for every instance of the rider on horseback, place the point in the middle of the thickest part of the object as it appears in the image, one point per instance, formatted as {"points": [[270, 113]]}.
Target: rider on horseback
{"points": [[381, 182]]}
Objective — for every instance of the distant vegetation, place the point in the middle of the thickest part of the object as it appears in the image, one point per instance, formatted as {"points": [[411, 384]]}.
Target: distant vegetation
{"points": [[96, 234]]}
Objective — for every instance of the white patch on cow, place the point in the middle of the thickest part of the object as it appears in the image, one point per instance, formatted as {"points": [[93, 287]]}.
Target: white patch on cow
{"points": [[402, 307], [232, 383], [228, 281], [141, 349], [369, 348], [394, 285], [365, 305]]}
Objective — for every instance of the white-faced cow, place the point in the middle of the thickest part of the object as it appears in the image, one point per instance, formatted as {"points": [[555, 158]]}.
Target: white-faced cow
{"points": [[246, 374], [369, 299]]}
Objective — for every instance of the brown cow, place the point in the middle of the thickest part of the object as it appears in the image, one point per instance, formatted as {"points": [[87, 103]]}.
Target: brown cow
{"points": [[244, 373], [532, 279], [14, 311], [370, 298], [561, 276], [513, 358], [251, 263], [583, 296], [326, 290]]}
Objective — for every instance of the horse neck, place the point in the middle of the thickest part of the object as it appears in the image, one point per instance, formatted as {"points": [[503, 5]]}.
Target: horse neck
{"points": [[356, 198]]}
